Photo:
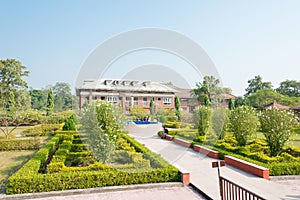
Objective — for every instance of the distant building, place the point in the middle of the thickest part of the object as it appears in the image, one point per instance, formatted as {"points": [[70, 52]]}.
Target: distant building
{"points": [[127, 93], [277, 106]]}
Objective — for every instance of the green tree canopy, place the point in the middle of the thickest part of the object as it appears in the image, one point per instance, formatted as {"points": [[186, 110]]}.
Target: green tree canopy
{"points": [[62, 96], [12, 73], [177, 108], [38, 99], [257, 84], [289, 88]]}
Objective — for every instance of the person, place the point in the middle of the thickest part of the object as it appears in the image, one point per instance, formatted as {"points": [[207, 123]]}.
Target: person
{"points": [[165, 133]]}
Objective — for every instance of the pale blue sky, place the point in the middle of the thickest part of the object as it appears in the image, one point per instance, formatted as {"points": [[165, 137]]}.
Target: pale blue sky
{"points": [[243, 38]]}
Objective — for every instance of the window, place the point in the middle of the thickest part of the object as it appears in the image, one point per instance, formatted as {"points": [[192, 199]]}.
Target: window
{"points": [[135, 101], [167, 100], [112, 99], [145, 102], [102, 98], [158, 98], [127, 102]]}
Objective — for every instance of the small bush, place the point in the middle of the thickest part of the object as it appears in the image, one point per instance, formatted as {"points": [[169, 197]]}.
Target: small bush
{"points": [[20, 144], [172, 125], [42, 130]]}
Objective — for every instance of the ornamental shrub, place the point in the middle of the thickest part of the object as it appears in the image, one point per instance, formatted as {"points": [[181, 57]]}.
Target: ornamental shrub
{"points": [[244, 122], [204, 120], [20, 144], [277, 126]]}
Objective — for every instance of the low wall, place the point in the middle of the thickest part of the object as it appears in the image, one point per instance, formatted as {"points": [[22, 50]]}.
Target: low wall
{"points": [[169, 137], [248, 167], [182, 142], [209, 152]]}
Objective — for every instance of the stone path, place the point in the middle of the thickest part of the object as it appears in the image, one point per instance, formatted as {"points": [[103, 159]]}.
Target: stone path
{"points": [[203, 176]]}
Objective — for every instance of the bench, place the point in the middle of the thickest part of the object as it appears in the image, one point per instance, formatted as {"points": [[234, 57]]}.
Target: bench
{"points": [[248, 167], [209, 152]]}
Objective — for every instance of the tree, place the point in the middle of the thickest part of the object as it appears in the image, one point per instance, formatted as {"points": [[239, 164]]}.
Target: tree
{"points": [[244, 122], [266, 96], [289, 88], [152, 107], [137, 112], [177, 108], [69, 124], [11, 78], [257, 84], [38, 99], [62, 96], [220, 121], [239, 101], [98, 140], [276, 126], [231, 104], [50, 102], [206, 101], [8, 115], [210, 87], [23, 100], [204, 120]]}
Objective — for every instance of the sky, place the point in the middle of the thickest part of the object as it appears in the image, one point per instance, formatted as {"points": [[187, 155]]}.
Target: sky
{"points": [[53, 39]]}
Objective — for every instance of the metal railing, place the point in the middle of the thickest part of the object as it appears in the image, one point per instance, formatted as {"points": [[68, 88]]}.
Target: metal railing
{"points": [[232, 191]]}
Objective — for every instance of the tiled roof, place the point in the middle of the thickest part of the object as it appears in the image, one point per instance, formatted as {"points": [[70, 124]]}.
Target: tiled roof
{"points": [[276, 105], [296, 108]]}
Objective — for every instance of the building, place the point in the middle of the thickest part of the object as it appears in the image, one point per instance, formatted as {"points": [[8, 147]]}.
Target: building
{"points": [[277, 106], [127, 93]]}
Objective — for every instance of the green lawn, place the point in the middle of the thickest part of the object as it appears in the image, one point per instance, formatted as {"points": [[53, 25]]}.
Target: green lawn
{"points": [[10, 160]]}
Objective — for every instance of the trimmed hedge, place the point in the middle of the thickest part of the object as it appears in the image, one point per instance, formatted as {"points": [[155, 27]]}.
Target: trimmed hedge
{"points": [[172, 124], [87, 179], [59, 177], [42, 130], [20, 144]]}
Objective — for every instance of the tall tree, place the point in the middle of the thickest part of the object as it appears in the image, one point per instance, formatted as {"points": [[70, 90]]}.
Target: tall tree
{"points": [[11, 77], [231, 104], [50, 102], [210, 87], [152, 107], [257, 84], [38, 99], [23, 100], [177, 108], [8, 115], [289, 88], [62, 96]]}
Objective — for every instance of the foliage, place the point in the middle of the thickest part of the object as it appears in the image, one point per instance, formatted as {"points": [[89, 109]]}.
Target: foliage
{"points": [[164, 115], [50, 103], [152, 107], [11, 78], [20, 144], [42, 130], [70, 124], [220, 122], [244, 122], [172, 124], [206, 101], [23, 100], [31, 117], [257, 84], [289, 88], [38, 99], [60, 117], [276, 126], [208, 87], [231, 105], [177, 108], [62, 96], [204, 120], [239, 101], [266, 96], [137, 112]]}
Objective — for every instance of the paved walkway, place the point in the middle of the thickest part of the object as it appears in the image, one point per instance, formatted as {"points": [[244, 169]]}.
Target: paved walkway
{"points": [[203, 176]]}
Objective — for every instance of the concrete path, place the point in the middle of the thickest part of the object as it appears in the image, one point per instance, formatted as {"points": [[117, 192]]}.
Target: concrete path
{"points": [[203, 176]]}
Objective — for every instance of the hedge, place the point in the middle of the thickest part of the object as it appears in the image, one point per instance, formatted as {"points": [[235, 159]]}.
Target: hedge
{"points": [[87, 179], [20, 144], [42, 130], [60, 177]]}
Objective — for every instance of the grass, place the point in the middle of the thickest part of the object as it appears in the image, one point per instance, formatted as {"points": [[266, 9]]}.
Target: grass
{"points": [[10, 160]]}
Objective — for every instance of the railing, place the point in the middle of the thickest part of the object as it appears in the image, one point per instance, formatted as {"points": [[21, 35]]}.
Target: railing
{"points": [[232, 191]]}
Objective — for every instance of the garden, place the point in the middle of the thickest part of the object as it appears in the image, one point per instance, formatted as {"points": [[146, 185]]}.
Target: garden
{"points": [[269, 138], [92, 156]]}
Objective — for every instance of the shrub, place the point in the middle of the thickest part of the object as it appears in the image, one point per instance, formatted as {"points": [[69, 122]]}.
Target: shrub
{"points": [[172, 125], [59, 118], [244, 123], [204, 120], [42, 130], [276, 126], [199, 139], [187, 135], [220, 122], [20, 144]]}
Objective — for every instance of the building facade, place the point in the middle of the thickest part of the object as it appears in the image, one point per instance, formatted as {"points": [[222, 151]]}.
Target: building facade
{"points": [[127, 93]]}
